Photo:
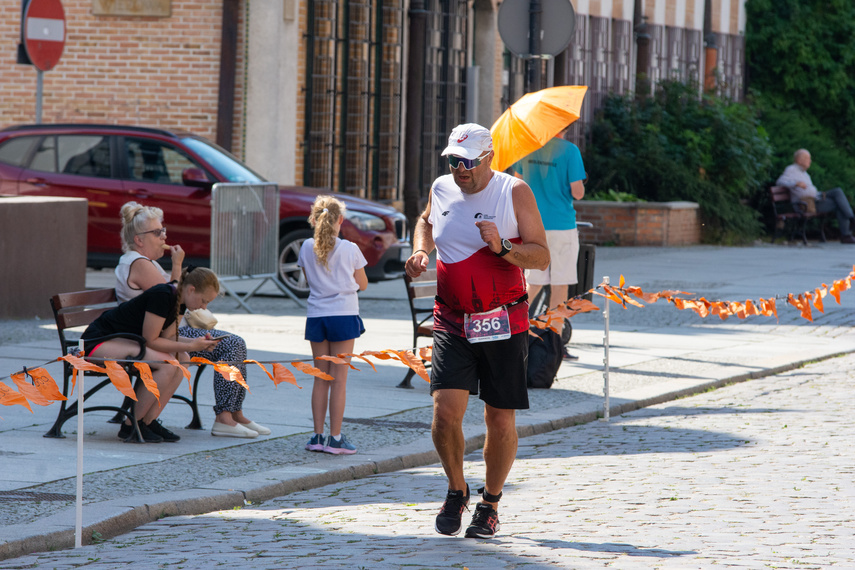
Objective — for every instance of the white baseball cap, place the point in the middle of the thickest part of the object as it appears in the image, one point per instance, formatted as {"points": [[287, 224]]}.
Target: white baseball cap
{"points": [[469, 141]]}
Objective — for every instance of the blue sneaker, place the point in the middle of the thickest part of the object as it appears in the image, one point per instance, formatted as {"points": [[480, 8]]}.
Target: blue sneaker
{"points": [[316, 443], [340, 447]]}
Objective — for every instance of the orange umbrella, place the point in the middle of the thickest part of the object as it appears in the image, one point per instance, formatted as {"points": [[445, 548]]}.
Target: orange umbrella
{"points": [[535, 118]]}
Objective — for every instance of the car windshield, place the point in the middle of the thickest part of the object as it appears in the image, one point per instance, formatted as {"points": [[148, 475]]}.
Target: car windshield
{"points": [[227, 165]]}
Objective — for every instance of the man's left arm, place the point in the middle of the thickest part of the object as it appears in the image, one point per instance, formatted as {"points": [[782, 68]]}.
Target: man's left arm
{"points": [[533, 252]]}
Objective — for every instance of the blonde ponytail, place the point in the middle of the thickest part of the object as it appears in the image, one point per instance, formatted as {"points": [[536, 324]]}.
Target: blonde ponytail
{"points": [[325, 213]]}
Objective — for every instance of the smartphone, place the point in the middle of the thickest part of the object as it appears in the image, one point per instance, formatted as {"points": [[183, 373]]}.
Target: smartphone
{"points": [[220, 337]]}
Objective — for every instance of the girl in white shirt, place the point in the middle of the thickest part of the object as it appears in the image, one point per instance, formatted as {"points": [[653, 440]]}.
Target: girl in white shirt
{"points": [[335, 272]]}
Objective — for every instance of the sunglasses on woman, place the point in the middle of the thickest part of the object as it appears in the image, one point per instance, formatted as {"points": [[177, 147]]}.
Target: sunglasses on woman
{"points": [[468, 163], [157, 233]]}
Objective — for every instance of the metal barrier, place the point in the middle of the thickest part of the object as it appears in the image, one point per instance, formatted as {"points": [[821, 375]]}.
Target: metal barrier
{"points": [[245, 237]]}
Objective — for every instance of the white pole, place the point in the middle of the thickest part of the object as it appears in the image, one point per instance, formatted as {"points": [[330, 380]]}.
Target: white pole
{"points": [[78, 522], [606, 406]]}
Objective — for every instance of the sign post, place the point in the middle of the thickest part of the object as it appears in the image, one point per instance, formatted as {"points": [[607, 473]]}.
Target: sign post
{"points": [[43, 31], [536, 30]]}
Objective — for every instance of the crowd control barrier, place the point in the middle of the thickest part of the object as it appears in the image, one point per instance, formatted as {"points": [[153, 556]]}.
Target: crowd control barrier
{"points": [[245, 237]]}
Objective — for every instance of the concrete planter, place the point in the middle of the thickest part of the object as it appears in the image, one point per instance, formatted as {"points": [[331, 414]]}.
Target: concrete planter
{"points": [[43, 240], [639, 223]]}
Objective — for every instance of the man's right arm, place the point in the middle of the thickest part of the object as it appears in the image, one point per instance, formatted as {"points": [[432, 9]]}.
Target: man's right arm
{"points": [[422, 243]]}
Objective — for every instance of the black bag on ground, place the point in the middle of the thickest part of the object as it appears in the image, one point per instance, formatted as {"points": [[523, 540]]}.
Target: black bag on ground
{"points": [[544, 357]]}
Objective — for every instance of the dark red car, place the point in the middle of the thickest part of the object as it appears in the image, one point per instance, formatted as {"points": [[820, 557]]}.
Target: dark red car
{"points": [[110, 165]]}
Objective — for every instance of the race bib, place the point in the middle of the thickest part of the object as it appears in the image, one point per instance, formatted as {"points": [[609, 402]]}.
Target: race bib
{"points": [[486, 327]]}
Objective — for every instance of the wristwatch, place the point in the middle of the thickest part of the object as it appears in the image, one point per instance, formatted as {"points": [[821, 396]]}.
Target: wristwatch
{"points": [[506, 247]]}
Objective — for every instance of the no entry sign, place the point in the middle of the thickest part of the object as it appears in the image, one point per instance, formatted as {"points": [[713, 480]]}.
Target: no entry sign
{"points": [[44, 32]]}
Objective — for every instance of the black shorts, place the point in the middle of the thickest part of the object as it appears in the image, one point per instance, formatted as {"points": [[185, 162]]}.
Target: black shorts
{"points": [[498, 368]]}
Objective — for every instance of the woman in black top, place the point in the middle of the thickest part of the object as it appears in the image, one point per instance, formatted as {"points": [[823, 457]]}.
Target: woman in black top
{"points": [[154, 316]]}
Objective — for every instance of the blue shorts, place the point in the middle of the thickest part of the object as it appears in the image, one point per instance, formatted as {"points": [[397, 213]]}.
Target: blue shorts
{"points": [[334, 329]]}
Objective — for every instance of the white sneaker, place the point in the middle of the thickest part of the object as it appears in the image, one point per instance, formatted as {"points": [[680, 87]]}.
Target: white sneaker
{"points": [[257, 428], [238, 430]]}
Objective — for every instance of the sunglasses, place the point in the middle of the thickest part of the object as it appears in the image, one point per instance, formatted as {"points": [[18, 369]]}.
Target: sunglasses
{"points": [[157, 233], [468, 163]]}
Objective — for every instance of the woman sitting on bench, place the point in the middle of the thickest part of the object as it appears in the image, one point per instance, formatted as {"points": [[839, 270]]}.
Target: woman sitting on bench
{"points": [[144, 241], [153, 315]]}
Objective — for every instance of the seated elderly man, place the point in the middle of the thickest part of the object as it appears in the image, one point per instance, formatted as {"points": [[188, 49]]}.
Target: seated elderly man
{"points": [[802, 190]]}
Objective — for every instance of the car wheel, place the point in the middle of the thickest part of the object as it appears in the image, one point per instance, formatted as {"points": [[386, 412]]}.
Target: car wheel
{"points": [[290, 273]]}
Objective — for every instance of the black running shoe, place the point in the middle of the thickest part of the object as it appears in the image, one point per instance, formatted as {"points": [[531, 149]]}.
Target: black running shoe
{"points": [[125, 431], [448, 521], [157, 428], [485, 522], [128, 434]]}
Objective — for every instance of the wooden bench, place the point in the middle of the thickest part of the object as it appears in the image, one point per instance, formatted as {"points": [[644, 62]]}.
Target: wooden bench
{"points": [[79, 309], [421, 292], [794, 216]]}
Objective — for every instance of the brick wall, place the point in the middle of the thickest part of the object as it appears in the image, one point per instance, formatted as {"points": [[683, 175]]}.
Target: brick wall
{"points": [[158, 72], [639, 223]]}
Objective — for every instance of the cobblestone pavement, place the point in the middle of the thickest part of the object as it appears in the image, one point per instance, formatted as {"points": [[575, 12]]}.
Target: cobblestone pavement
{"points": [[753, 475]]}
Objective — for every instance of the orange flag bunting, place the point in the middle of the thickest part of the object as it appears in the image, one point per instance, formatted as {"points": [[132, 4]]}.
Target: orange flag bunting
{"points": [[46, 384], [817, 299], [80, 364], [311, 370], [260, 365], [282, 374], [29, 391], [338, 360], [408, 358], [147, 379], [361, 357], [120, 379], [229, 371], [184, 371], [9, 397], [426, 352]]}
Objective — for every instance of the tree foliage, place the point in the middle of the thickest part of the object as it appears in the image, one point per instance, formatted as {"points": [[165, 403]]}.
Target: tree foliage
{"points": [[801, 57], [801, 64], [676, 145]]}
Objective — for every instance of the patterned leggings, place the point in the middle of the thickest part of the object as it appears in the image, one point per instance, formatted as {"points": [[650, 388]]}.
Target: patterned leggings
{"points": [[228, 395]]}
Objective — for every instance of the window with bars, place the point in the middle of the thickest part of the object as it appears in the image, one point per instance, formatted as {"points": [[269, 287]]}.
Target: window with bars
{"points": [[444, 100], [730, 60], [353, 96]]}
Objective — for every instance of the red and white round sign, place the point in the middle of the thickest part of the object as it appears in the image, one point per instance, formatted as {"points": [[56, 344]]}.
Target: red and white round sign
{"points": [[44, 32]]}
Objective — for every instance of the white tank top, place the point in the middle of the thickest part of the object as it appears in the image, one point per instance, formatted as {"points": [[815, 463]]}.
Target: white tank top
{"points": [[470, 277], [123, 290]]}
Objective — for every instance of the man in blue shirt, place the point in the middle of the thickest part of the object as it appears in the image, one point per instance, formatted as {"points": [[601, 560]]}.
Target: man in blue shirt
{"points": [[556, 176]]}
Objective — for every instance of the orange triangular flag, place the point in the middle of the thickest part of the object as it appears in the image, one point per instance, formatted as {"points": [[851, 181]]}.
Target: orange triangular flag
{"points": [[311, 370], [817, 299], [228, 371], [359, 356], [750, 308], [147, 379], [46, 384], [120, 379], [9, 397], [426, 352], [408, 358], [80, 364], [260, 365], [337, 360], [282, 374], [29, 391], [183, 369], [621, 282]]}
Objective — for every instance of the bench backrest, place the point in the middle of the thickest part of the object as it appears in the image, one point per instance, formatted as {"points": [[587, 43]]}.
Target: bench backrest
{"points": [[779, 194], [419, 289], [80, 308]]}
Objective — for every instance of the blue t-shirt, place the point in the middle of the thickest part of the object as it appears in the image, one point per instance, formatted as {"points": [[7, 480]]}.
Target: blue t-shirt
{"points": [[549, 171]]}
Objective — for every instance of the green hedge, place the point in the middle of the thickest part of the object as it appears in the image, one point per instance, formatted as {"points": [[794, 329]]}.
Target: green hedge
{"points": [[676, 145]]}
